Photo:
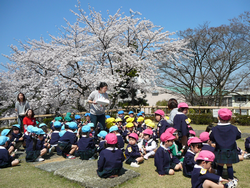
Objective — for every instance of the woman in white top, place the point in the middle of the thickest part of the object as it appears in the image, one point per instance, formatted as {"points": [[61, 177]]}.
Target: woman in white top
{"points": [[21, 107], [97, 110]]}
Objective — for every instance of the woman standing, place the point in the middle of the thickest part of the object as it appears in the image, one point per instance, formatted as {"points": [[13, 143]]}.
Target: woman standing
{"points": [[97, 111], [29, 119], [21, 107]]}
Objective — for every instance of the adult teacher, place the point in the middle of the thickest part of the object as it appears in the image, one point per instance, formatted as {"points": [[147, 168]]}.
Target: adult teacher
{"points": [[21, 107], [97, 111]]}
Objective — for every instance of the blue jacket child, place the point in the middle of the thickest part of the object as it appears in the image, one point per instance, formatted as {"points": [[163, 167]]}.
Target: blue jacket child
{"points": [[6, 160], [111, 159], [68, 142], [86, 145], [164, 161], [101, 135]]}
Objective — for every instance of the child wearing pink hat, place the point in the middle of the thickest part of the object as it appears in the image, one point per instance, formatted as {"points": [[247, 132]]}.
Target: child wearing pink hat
{"points": [[181, 123], [201, 178], [133, 155], [176, 150], [165, 162], [147, 145], [189, 159], [225, 135], [110, 159], [162, 123], [206, 143]]}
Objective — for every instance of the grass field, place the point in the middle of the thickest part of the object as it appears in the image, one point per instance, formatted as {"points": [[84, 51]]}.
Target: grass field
{"points": [[26, 175]]}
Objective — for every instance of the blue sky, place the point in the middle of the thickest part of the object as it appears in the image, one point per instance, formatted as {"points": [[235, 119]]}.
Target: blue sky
{"points": [[23, 19]]}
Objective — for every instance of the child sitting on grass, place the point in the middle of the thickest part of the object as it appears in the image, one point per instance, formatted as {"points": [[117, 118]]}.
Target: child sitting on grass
{"points": [[176, 150], [162, 123], [206, 143], [200, 175], [132, 152], [54, 138], [86, 146], [165, 162], [6, 160], [68, 142], [129, 129], [111, 158], [120, 142], [147, 145], [195, 145], [34, 152], [16, 139], [10, 144], [101, 136]]}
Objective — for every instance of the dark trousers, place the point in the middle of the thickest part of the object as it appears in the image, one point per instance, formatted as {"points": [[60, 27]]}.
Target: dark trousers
{"points": [[98, 118]]}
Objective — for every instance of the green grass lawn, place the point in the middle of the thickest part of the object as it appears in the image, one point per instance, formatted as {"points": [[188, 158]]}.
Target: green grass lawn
{"points": [[26, 175]]}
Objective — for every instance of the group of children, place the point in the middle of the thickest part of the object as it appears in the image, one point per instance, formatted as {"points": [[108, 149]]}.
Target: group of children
{"points": [[178, 149]]}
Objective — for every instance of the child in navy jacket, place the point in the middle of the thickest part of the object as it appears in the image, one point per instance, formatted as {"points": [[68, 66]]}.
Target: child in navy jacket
{"points": [[16, 139], [162, 123], [101, 135], [225, 135], [10, 145], [247, 144], [181, 123], [86, 146], [195, 145], [54, 138], [132, 152], [6, 160], [165, 162], [68, 142], [111, 159], [204, 137], [201, 178], [120, 142], [35, 148]]}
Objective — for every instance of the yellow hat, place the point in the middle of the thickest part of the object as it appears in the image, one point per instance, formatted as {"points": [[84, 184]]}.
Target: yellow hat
{"points": [[147, 121], [130, 120], [129, 125], [109, 120], [166, 117], [151, 124], [110, 124], [118, 119], [140, 119], [127, 116]]}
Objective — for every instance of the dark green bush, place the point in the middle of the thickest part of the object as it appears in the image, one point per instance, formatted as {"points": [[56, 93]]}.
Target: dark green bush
{"points": [[241, 119], [203, 119]]}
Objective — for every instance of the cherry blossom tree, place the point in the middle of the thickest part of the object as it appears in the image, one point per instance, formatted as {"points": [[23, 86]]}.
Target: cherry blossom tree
{"points": [[117, 49]]}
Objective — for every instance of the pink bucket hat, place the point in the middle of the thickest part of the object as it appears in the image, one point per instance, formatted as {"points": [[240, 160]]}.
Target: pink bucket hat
{"points": [[148, 131], [166, 136], [204, 136], [111, 138], [192, 132], [206, 155], [171, 130], [160, 112], [194, 140], [225, 114], [182, 105], [133, 135]]}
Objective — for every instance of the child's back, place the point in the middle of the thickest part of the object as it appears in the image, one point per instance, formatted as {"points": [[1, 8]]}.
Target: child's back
{"points": [[225, 136], [188, 163], [85, 143], [54, 138], [5, 158], [111, 159], [69, 137]]}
